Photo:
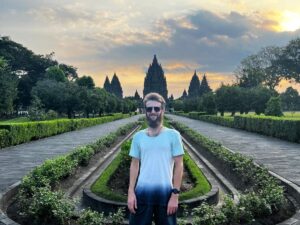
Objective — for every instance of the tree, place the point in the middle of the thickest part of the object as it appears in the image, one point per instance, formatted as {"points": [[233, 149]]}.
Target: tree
{"points": [[261, 96], [30, 67], [101, 99], [260, 69], [85, 81], [273, 107], [69, 71], [249, 73], [178, 105], [116, 86], [55, 73], [192, 104], [204, 87], [209, 103], [289, 61], [290, 99], [246, 100], [228, 99], [51, 94], [8, 88], [194, 87], [72, 102]]}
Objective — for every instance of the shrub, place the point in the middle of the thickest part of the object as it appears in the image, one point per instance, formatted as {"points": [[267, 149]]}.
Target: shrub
{"points": [[206, 214], [35, 197], [51, 115], [90, 217], [47, 206], [274, 107], [83, 155], [4, 139]]}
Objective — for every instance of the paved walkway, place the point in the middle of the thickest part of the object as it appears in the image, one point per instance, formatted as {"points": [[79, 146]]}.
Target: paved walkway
{"points": [[17, 161], [279, 156]]}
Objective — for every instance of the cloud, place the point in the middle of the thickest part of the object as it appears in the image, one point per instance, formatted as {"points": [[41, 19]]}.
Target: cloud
{"points": [[217, 42]]}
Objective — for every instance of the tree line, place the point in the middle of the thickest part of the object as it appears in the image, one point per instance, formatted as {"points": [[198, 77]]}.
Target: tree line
{"points": [[257, 76], [39, 84]]}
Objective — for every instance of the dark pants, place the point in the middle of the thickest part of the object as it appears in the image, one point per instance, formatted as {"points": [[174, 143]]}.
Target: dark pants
{"points": [[146, 213]]}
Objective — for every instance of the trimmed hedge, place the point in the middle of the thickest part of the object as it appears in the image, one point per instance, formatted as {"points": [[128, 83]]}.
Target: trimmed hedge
{"points": [[284, 128], [4, 140], [279, 127], [23, 132], [54, 170]]}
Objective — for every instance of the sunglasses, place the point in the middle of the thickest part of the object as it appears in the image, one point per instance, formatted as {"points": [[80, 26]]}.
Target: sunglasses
{"points": [[156, 109]]}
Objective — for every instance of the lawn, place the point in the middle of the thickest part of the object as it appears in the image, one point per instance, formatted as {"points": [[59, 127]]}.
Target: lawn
{"points": [[16, 120]]}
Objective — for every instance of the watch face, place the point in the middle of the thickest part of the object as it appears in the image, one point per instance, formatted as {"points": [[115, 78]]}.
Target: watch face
{"points": [[175, 191]]}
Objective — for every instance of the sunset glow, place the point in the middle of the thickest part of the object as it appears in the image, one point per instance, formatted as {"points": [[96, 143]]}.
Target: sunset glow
{"points": [[122, 36], [290, 21]]}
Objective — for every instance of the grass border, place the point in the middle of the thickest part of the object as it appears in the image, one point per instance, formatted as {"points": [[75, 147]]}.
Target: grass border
{"points": [[100, 186]]}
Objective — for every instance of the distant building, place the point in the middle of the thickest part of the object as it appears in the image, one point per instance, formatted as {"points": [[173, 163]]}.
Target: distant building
{"points": [[155, 80]]}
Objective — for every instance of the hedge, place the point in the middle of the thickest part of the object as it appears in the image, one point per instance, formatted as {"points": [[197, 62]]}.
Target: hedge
{"points": [[54, 170], [4, 140], [23, 132], [279, 127], [284, 128]]}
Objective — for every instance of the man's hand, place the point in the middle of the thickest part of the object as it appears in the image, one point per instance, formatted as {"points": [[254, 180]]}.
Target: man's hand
{"points": [[172, 204], [131, 202]]}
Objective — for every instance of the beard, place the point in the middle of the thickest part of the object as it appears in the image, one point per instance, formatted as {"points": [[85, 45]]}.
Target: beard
{"points": [[156, 122]]}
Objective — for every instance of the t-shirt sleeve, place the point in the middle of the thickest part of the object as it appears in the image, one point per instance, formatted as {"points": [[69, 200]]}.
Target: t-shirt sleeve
{"points": [[135, 148], [177, 146]]}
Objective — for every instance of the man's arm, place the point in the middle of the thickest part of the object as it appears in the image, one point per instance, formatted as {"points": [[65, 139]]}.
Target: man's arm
{"points": [[177, 178], [134, 170]]}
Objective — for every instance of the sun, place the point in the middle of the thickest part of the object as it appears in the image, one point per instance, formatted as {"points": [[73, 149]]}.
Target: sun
{"points": [[290, 21]]}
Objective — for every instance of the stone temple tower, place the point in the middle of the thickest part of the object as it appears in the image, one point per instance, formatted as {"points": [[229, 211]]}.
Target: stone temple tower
{"points": [[155, 80]]}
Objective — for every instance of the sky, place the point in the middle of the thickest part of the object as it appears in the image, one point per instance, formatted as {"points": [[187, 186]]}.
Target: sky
{"points": [[103, 37]]}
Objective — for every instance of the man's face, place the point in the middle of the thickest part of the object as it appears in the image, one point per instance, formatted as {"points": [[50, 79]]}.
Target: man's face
{"points": [[154, 113]]}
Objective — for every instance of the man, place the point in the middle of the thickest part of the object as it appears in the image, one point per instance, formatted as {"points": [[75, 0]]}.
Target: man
{"points": [[155, 151]]}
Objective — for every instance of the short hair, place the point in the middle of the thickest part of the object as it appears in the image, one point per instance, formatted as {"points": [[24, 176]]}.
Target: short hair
{"points": [[153, 96]]}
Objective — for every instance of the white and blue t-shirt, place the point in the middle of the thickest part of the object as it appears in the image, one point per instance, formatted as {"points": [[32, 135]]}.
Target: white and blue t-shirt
{"points": [[156, 154]]}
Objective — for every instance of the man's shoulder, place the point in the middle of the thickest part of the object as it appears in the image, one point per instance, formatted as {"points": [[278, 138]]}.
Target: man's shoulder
{"points": [[139, 133], [172, 131]]}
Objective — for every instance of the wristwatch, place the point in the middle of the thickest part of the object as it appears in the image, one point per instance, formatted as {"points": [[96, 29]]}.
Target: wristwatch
{"points": [[175, 191]]}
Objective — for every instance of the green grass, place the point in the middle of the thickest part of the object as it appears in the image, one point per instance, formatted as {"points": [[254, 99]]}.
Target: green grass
{"points": [[15, 120], [100, 187], [201, 187]]}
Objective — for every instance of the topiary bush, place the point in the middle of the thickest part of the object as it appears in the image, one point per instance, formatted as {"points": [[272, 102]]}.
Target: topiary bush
{"points": [[274, 107]]}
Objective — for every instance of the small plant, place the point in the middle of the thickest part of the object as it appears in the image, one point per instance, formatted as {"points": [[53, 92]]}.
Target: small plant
{"points": [[46, 206], [90, 217], [206, 214], [118, 217], [274, 107]]}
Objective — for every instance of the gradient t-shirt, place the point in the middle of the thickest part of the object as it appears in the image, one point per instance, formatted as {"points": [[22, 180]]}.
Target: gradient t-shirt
{"points": [[156, 154]]}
